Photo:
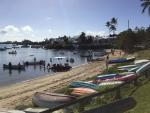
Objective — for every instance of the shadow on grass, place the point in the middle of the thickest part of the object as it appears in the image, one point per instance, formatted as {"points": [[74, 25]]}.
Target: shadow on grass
{"points": [[119, 106]]}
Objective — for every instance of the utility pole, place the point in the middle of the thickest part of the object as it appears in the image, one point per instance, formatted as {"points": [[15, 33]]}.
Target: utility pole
{"points": [[128, 24]]}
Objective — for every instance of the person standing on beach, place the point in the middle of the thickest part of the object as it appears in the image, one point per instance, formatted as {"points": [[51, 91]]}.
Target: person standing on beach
{"points": [[107, 59]]}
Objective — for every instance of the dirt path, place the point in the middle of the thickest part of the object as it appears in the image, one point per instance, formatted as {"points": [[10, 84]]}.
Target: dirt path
{"points": [[20, 94]]}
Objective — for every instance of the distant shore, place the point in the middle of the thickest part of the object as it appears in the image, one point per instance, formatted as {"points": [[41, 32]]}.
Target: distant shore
{"points": [[20, 94]]}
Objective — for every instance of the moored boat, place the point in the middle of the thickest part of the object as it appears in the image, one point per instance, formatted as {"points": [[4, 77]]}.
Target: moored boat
{"points": [[50, 100], [41, 62], [14, 67], [12, 52]]}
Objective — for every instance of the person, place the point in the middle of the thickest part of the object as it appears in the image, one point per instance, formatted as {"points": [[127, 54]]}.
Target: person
{"points": [[48, 66], [34, 59], [107, 59], [9, 65]]}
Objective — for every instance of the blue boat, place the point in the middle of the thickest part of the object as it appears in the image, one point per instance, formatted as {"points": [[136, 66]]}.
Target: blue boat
{"points": [[106, 76], [121, 60], [83, 84]]}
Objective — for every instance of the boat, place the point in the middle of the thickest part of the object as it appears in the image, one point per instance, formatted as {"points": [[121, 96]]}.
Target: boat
{"points": [[121, 78], [82, 84], [25, 46], [50, 100], [2, 49], [11, 111], [82, 91], [141, 62], [127, 66], [41, 62], [109, 83], [110, 77], [12, 52], [14, 67], [143, 68], [105, 76], [121, 60], [60, 68]]}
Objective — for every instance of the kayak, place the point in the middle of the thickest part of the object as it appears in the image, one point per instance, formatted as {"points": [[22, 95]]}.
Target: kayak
{"points": [[143, 68], [141, 62], [121, 78], [127, 66], [121, 60], [82, 91], [11, 111], [82, 84], [50, 100], [111, 83], [106, 76]]}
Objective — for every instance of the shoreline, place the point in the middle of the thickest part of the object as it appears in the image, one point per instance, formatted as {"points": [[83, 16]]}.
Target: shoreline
{"points": [[20, 94]]}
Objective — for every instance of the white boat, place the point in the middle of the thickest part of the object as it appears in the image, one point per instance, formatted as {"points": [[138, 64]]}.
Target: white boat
{"points": [[111, 83], [11, 111], [141, 62], [143, 68]]}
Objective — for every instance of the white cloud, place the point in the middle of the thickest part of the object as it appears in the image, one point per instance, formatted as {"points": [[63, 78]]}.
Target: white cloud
{"points": [[27, 29], [9, 29], [94, 33]]}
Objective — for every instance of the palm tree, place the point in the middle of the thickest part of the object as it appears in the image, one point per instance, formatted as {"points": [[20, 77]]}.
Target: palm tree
{"points": [[146, 5], [108, 24]]}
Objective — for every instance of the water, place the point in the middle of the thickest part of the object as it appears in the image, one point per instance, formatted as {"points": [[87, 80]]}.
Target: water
{"points": [[27, 54]]}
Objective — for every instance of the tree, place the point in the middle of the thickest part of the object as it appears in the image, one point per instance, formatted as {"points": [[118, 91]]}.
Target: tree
{"points": [[108, 26], [112, 25], [146, 5]]}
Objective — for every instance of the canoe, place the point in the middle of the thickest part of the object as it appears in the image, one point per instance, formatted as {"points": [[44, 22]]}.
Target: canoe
{"points": [[106, 76], [11, 111], [143, 68], [111, 83], [34, 63], [12, 52], [82, 91], [127, 66], [121, 60], [122, 77], [82, 84], [126, 77], [141, 62], [14, 67], [50, 100]]}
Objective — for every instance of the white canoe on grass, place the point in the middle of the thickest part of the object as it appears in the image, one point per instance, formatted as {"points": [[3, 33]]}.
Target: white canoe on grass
{"points": [[127, 66], [141, 62], [11, 111], [143, 68]]}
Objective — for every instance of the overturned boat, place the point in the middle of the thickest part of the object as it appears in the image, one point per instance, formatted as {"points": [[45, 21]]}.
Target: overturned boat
{"points": [[50, 100]]}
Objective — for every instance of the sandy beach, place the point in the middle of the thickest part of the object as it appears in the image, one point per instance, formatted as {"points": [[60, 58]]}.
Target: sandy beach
{"points": [[20, 94]]}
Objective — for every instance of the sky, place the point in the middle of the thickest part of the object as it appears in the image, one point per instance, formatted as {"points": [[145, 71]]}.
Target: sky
{"points": [[39, 19]]}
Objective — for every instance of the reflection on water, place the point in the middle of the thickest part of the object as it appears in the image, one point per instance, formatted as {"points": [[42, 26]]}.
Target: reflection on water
{"points": [[28, 54]]}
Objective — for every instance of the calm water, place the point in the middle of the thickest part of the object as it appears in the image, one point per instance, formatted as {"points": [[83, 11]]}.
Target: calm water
{"points": [[27, 54]]}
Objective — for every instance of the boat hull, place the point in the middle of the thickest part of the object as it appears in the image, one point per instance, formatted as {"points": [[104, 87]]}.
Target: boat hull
{"points": [[50, 100]]}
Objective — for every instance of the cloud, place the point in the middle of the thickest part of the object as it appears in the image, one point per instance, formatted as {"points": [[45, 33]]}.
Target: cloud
{"points": [[94, 33], [27, 29], [9, 29]]}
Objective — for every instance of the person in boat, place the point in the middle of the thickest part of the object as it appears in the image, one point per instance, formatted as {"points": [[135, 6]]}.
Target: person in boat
{"points": [[48, 66], [10, 65], [34, 59]]}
